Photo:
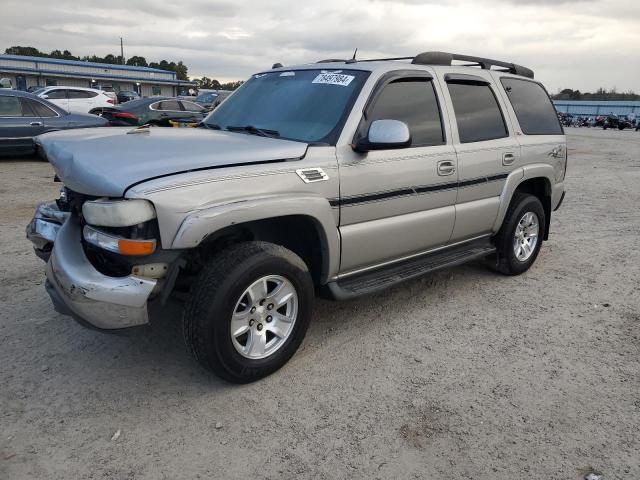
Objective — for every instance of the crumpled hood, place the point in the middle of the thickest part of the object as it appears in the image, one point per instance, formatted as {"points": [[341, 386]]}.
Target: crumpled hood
{"points": [[106, 161]]}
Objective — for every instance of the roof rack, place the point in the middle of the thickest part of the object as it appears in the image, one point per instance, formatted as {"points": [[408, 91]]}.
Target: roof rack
{"points": [[444, 58]]}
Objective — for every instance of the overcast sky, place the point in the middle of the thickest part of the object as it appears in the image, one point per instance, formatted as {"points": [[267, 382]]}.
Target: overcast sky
{"points": [[581, 44]]}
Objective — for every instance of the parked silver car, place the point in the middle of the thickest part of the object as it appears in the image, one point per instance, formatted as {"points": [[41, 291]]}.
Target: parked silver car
{"points": [[344, 177]]}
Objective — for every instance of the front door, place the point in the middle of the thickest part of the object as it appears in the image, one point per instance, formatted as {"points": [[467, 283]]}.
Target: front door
{"points": [[395, 203], [16, 129]]}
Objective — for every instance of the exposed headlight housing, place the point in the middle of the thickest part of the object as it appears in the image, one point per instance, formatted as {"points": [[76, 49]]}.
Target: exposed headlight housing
{"points": [[118, 213], [123, 246]]}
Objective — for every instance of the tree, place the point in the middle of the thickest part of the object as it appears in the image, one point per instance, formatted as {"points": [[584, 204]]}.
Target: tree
{"points": [[231, 85], [137, 61], [181, 71], [29, 51]]}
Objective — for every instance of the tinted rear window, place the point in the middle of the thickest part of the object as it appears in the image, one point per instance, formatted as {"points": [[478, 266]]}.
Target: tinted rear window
{"points": [[534, 110], [39, 109], [478, 114], [57, 94]]}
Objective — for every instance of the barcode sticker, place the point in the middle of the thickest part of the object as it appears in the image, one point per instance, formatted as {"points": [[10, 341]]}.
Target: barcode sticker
{"points": [[334, 79]]}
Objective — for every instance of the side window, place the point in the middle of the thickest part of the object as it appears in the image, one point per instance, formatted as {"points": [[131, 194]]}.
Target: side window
{"points": [[412, 101], [477, 112], [57, 94], [10, 106], [171, 105], [155, 90], [78, 94], [40, 109], [192, 107], [534, 110]]}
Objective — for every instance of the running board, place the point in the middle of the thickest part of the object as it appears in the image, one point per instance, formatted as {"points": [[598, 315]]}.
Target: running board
{"points": [[382, 278]]}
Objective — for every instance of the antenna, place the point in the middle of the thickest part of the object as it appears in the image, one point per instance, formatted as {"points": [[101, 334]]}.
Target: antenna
{"points": [[353, 59]]}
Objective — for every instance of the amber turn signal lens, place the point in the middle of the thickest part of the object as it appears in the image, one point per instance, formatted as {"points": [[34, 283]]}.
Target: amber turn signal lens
{"points": [[136, 248]]}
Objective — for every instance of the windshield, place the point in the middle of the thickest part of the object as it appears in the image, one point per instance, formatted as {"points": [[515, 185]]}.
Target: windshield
{"points": [[304, 105], [206, 97]]}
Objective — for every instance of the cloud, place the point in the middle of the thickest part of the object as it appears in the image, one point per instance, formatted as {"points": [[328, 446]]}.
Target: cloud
{"points": [[581, 44]]}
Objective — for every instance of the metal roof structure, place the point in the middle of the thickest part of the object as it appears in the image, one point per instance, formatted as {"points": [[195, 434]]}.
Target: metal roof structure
{"points": [[82, 69], [598, 107]]}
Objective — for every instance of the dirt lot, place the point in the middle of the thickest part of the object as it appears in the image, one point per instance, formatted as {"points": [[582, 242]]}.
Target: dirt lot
{"points": [[464, 374]]}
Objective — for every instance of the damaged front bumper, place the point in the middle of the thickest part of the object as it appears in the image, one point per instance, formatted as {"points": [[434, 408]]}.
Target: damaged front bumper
{"points": [[76, 288]]}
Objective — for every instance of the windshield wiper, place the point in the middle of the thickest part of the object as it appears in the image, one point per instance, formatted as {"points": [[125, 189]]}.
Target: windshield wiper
{"points": [[263, 132], [211, 126]]}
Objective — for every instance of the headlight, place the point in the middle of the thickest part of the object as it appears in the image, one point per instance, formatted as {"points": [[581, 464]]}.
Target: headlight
{"points": [[123, 246], [117, 213]]}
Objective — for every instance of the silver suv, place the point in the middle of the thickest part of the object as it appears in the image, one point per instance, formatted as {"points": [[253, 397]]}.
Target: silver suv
{"points": [[341, 178]]}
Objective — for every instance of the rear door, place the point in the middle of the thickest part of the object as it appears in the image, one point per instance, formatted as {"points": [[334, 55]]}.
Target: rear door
{"points": [[487, 151], [169, 110], [395, 203], [193, 110], [50, 119], [81, 101]]}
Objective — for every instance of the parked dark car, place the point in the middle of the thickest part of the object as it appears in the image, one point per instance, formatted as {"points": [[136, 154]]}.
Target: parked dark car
{"points": [[127, 95], [211, 100], [23, 116], [157, 111]]}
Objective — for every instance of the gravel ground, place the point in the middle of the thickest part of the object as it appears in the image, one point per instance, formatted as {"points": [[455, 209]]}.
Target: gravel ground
{"points": [[462, 374]]}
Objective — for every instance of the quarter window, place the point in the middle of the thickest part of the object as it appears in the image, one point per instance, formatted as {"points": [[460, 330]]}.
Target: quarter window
{"points": [[78, 94], [10, 107], [39, 109], [412, 101], [534, 110], [478, 114], [192, 107]]}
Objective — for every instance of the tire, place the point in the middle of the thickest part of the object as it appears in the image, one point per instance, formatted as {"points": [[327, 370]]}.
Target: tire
{"points": [[507, 261], [219, 291]]}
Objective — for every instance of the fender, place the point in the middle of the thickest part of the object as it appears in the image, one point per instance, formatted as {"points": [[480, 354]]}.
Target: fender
{"points": [[515, 178], [199, 224]]}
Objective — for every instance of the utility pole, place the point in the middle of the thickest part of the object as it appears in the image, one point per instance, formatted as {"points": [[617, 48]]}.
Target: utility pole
{"points": [[121, 51]]}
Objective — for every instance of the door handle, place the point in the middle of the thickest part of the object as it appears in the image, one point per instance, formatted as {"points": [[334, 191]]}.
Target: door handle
{"points": [[36, 124], [508, 158], [446, 167]]}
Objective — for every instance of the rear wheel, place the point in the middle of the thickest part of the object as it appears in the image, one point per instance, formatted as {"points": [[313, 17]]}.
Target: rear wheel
{"points": [[248, 311], [519, 240]]}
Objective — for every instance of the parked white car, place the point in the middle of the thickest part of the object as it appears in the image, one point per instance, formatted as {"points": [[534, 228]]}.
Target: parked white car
{"points": [[76, 99]]}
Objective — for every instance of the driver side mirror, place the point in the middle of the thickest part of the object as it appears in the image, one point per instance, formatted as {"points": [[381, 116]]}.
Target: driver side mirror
{"points": [[44, 96], [385, 135]]}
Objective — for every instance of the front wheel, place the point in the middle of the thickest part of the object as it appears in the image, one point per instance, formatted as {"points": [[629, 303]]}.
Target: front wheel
{"points": [[519, 240], [248, 311]]}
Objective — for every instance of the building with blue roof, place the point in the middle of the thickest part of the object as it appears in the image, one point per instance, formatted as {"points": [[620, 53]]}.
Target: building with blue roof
{"points": [[25, 72], [589, 108]]}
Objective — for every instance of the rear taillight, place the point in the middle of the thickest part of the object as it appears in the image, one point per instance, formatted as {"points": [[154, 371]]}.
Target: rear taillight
{"points": [[111, 101], [124, 115]]}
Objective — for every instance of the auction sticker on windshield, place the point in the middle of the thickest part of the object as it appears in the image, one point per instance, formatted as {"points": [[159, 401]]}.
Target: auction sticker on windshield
{"points": [[334, 79]]}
